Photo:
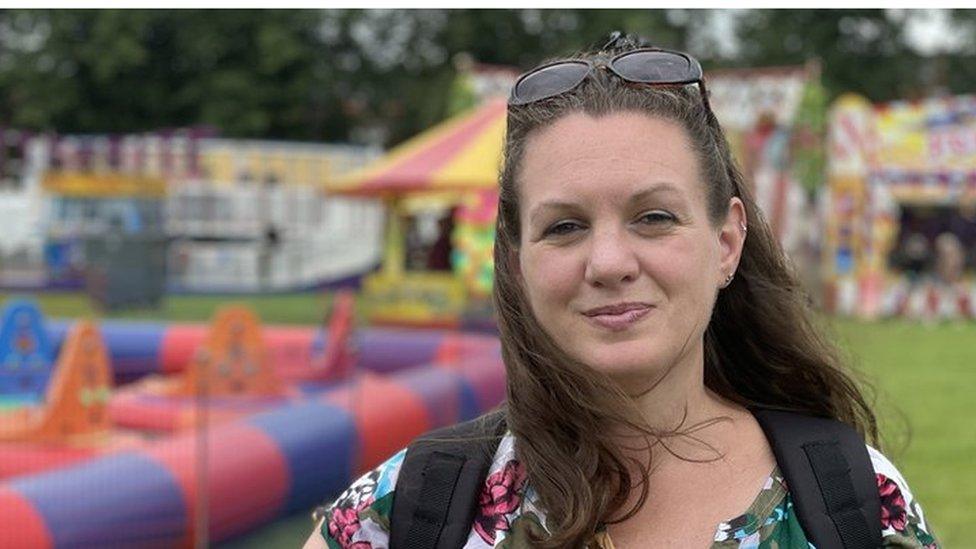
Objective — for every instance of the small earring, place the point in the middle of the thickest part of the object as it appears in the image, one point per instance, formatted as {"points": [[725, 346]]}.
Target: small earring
{"points": [[728, 280], [744, 229]]}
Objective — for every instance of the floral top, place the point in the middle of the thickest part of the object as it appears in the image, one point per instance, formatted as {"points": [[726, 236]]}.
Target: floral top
{"points": [[509, 511]]}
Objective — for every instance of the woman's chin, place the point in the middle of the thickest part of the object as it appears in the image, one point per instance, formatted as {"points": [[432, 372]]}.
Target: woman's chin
{"points": [[625, 367]]}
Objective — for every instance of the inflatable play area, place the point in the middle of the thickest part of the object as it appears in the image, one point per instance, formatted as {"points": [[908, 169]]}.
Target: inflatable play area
{"points": [[117, 434]]}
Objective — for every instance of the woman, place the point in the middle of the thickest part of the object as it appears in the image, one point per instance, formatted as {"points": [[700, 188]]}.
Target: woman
{"points": [[643, 307]]}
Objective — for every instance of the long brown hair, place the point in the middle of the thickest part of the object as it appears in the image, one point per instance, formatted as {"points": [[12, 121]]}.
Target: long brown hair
{"points": [[763, 346]]}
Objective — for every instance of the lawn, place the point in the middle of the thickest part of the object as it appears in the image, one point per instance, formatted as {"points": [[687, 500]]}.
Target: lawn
{"points": [[924, 376], [298, 308]]}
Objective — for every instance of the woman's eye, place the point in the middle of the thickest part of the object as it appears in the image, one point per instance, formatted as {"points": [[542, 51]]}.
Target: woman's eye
{"points": [[562, 228], [655, 217]]}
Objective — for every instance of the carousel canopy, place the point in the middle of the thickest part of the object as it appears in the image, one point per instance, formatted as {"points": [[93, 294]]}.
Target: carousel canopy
{"points": [[463, 153]]}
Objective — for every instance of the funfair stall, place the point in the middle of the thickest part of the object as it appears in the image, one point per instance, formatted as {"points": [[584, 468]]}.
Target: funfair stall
{"points": [[901, 208], [774, 119], [440, 191]]}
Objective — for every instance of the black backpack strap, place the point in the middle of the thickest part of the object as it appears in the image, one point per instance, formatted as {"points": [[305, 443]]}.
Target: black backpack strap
{"points": [[437, 489], [830, 477]]}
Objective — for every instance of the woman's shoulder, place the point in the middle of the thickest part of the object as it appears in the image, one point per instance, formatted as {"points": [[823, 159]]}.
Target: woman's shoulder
{"points": [[902, 519], [360, 516], [772, 519]]}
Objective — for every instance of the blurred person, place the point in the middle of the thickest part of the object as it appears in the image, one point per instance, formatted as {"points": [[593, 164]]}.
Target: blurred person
{"points": [[662, 360], [965, 226], [950, 259], [916, 256], [439, 257], [950, 294]]}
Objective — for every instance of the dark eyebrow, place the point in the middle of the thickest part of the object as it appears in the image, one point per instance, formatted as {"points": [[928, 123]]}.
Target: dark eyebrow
{"points": [[558, 205], [657, 188], [640, 196]]}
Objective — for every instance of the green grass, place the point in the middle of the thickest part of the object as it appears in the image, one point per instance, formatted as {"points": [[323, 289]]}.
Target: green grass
{"points": [[924, 376], [298, 308]]}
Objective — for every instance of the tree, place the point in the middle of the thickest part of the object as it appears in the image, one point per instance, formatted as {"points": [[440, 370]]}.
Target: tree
{"points": [[862, 50], [336, 75], [248, 73]]}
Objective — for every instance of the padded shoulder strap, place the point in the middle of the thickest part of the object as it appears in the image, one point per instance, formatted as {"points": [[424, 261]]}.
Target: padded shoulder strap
{"points": [[439, 482], [830, 478]]}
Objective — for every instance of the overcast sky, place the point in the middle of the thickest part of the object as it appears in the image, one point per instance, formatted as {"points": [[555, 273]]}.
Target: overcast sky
{"points": [[930, 31]]}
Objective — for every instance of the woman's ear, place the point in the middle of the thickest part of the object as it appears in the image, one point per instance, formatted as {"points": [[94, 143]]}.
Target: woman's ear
{"points": [[732, 238]]}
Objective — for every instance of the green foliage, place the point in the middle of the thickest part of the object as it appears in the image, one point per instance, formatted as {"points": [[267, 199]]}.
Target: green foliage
{"points": [[248, 73], [863, 50], [323, 74], [270, 73], [809, 158]]}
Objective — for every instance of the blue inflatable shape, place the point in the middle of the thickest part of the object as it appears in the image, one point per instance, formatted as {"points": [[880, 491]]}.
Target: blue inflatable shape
{"points": [[447, 396], [387, 350], [319, 443], [123, 500], [57, 331], [26, 354], [470, 408], [134, 347]]}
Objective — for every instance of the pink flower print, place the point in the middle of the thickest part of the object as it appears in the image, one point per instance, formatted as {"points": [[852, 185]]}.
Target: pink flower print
{"points": [[501, 495], [344, 523], [893, 513]]}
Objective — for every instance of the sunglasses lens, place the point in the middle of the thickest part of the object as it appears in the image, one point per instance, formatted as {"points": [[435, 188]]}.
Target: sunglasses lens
{"points": [[549, 81], [655, 67]]}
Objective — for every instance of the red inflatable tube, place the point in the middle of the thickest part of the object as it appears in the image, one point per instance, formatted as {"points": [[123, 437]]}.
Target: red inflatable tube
{"points": [[289, 348], [19, 458], [180, 341], [290, 352], [460, 347], [248, 478], [387, 417], [486, 377], [162, 414], [20, 523]]}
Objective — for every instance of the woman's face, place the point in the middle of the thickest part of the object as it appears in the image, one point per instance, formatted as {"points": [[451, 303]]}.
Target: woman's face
{"points": [[618, 258]]}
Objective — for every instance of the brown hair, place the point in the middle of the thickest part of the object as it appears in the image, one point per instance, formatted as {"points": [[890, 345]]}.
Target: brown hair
{"points": [[763, 345]]}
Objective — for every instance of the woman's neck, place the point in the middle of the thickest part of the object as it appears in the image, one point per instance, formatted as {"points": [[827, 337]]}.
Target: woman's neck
{"points": [[678, 401]]}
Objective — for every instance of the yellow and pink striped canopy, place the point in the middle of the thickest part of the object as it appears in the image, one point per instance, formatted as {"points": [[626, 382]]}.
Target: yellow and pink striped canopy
{"points": [[463, 153]]}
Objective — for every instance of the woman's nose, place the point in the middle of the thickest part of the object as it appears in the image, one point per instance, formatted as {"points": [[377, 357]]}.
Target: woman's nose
{"points": [[611, 260]]}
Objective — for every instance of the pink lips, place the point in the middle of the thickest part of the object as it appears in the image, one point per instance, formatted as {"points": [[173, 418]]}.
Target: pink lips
{"points": [[618, 316]]}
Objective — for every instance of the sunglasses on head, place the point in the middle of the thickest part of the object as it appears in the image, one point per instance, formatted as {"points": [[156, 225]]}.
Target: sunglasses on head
{"points": [[647, 66]]}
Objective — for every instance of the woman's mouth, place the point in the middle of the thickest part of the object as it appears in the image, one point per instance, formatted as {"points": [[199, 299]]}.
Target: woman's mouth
{"points": [[617, 317]]}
